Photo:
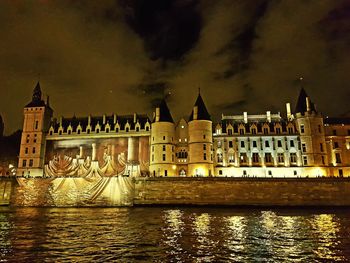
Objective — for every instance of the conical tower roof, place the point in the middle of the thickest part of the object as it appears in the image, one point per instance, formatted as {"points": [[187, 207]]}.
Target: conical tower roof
{"points": [[203, 113], [301, 103], [36, 98], [164, 112]]}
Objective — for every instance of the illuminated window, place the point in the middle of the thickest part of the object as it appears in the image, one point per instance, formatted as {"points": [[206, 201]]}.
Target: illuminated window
{"points": [[243, 158]]}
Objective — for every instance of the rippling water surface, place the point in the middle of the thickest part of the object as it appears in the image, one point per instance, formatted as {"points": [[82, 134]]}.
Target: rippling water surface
{"points": [[173, 235]]}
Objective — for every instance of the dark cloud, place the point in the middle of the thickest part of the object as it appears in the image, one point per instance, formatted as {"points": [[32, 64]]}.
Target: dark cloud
{"points": [[124, 56]]}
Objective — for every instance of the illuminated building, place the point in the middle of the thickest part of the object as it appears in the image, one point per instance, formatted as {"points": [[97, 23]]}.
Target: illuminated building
{"points": [[300, 144]]}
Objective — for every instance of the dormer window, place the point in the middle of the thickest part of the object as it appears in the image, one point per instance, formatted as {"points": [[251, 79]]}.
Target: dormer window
{"points": [[241, 131], [147, 128], [107, 130], [127, 129], [137, 129], [253, 130], [97, 130]]}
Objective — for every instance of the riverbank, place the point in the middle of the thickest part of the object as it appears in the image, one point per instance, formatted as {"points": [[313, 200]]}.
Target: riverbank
{"points": [[151, 191]]}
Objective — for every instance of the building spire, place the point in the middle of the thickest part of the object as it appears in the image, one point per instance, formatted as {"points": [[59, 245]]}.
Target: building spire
{"points": [[199, 111]]}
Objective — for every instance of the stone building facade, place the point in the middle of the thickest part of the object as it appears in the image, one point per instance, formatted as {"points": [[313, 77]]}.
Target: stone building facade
{"points": [[301, 143]]}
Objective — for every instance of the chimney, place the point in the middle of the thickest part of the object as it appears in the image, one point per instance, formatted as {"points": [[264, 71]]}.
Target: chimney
{"points": [[308, 104], [157, 114], [195, 112], [104, 119], [268, 116], [60, 121], [89, 120], [114, 118], [134, 117], [289, 114], [245, 117]]}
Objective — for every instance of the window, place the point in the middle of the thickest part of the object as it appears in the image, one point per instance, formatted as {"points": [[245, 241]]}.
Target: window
{"points": [[219, 155], [97, 130], [163, 138], [78, 131], [270, 173], [60, 132], [293, 157], [117, 129], [164, 158], [267, 144], [255, 157], [255, 144], [302, 128], [127, 129], [337, 158], [147, 128], [36, 124], [152, 148], [231, 158], [280, 157], [205, 157], [321, 147], [69, 132], [290, 130], [278, 130], [152, 157], [50, 132], [204, 147], [243, 157], [305, 160], [26, 150], [303, 147], [242, 144], [241, 131], [137, 129], [172, 157], [230, 144], [88, 131], [30, 162], [266, 131], [323, 161], [268, 158], [33, 150], [107, 130], [34, 138], [229, 131], [164, 147], [334, 132], [336, 145], [279, 143], [295, 172], [24, 163], [291, 143], [204, 136], [253, 131], [349, 132], [220, 172]]}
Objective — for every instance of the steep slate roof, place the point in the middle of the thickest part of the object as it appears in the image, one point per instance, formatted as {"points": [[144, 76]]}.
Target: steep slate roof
{"points": [[164, 112], [203, 113], [301, 104], [337, 120], [36, 99]]}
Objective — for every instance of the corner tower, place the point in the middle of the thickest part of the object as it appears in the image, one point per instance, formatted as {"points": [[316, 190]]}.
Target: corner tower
{"points": [[37, 116], [311, 130], [162, 154], [200, 143]]}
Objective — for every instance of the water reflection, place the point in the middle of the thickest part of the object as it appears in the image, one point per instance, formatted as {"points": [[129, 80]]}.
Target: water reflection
{"points": [[173, 235]]}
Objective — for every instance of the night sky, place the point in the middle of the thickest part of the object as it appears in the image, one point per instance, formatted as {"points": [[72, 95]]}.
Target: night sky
{"points": [[123, 56]]}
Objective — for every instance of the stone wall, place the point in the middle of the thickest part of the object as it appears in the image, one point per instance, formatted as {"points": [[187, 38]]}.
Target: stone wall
{"points": [[242, 191], [5, 191]]}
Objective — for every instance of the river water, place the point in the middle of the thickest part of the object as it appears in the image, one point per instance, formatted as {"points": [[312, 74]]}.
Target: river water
{"points": [[171, 234]]}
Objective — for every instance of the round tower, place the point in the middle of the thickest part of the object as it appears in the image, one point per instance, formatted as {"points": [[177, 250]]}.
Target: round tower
{"points": [[162, 143], [200, 143]]}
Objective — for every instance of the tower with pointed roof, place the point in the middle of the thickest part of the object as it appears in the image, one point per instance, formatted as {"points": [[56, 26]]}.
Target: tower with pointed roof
{"points": [[200, 142], [162, 142], [309, 123], [37, 116]]}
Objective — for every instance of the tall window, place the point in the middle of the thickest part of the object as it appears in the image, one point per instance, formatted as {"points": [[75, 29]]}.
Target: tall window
{"points": [[255, 157], [30, 162], [334, 132], [33, 149], [253, 131], [219, 155], [278, 130], [24, 163], [303, 147], [279, 143], [290, 130], [229, 131], [268, 158], [164, 147], [336, 145], [293, 157], [231, 158], [302, 128], [305, 160], [337, 158], [241, 131], [267, 144], [280, 157], [291, 143], [205, 157], [266, 131], [242, 144], [204, 147], [321, 147], [164, 157], [36, 124], [230, 144], [243, 158], [254, 144], [26, 150]]}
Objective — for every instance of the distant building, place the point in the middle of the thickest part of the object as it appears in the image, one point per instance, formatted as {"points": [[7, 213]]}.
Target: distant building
{"points": [[300, 144]]}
